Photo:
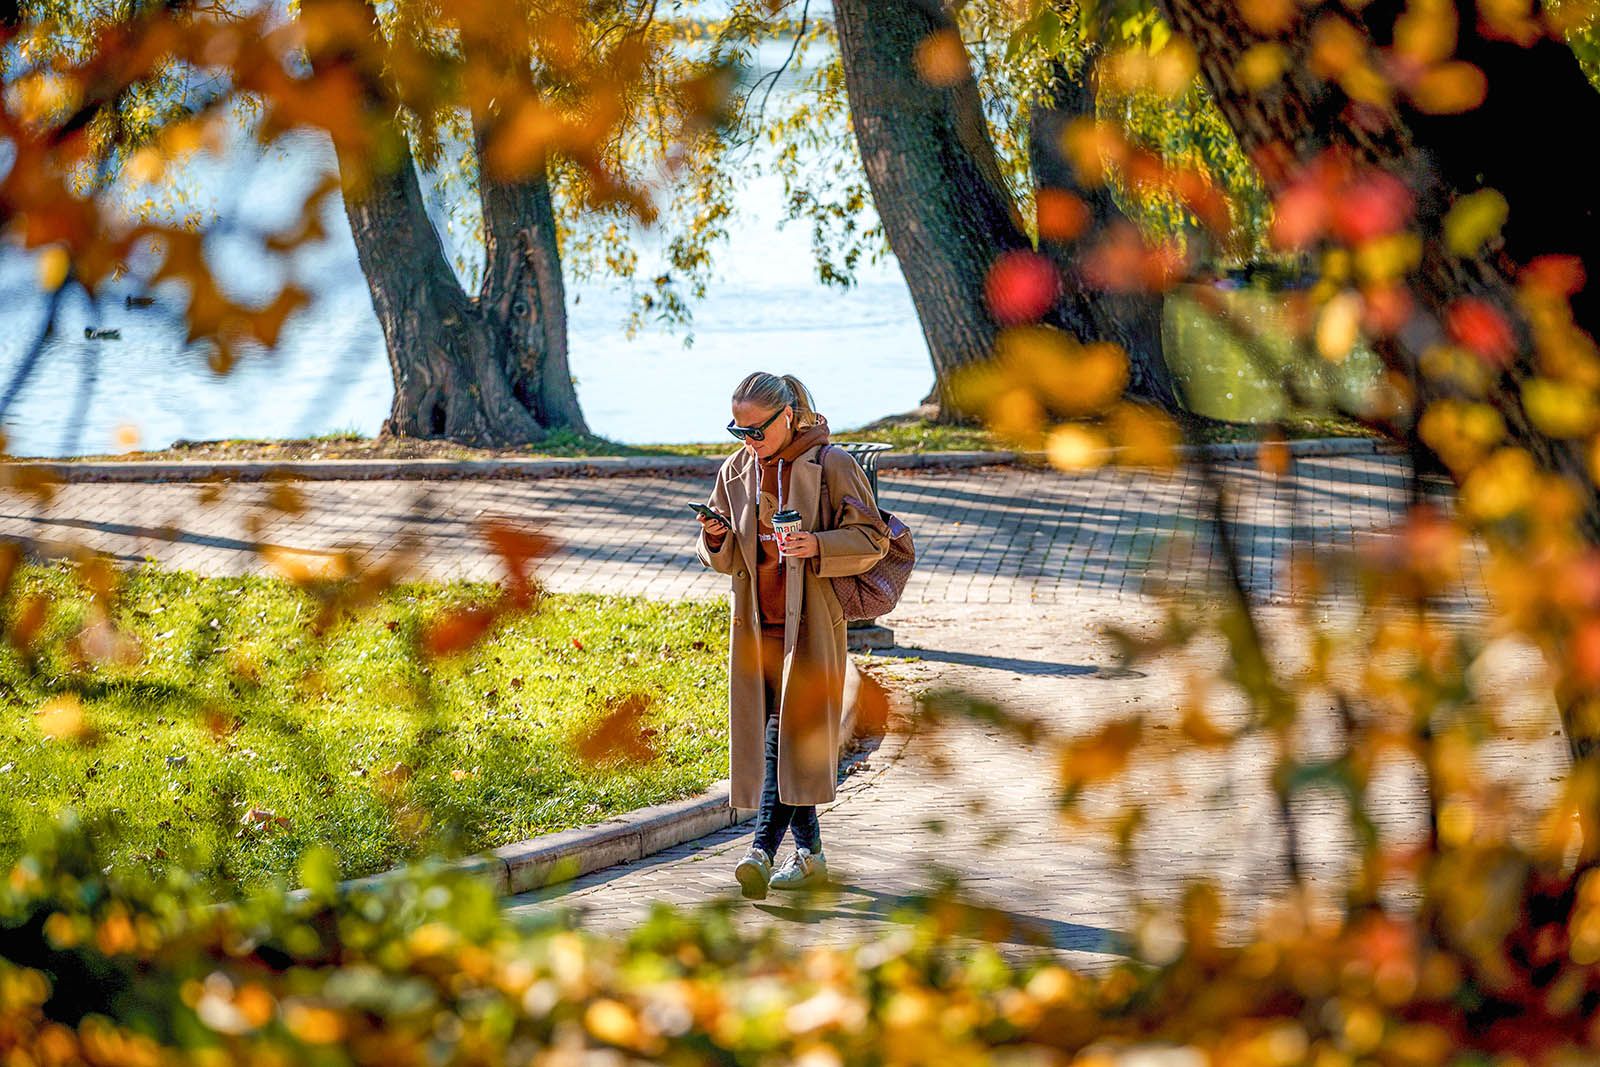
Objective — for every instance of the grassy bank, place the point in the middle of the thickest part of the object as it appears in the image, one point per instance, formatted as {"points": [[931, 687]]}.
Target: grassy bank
{"points": [[908, 433], [1221, 377], [239, 737]]}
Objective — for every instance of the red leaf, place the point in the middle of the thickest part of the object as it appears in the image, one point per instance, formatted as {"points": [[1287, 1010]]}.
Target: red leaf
{"points": [[1372, 206], [1481, 327], [1021, 287], [1557, 275]]}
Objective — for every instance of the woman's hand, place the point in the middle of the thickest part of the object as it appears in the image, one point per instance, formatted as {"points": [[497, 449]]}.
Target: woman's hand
{"points": [[802, 544], [715, 532], [711, 526]]}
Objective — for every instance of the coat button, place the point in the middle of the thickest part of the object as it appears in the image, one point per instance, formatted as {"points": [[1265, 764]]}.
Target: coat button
{"points": [[741, 574]]}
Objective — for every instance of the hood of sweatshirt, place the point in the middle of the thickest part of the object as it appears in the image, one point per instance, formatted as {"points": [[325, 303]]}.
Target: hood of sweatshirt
{"points": [[798, 445]]}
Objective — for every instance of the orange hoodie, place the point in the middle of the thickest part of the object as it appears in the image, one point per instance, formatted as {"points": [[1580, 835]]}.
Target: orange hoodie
{"points": [[769, 565]]}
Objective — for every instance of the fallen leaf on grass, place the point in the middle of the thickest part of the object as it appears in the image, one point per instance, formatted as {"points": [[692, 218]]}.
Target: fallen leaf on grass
{"points": [[261, 819]]}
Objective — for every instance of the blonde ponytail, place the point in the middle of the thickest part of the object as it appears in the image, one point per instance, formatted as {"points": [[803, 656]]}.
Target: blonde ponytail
{"points": [[774, 391], [805, 412]]}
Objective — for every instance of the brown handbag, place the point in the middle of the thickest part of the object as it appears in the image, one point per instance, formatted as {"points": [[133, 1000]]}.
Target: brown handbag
{"points": [[877, 591]]}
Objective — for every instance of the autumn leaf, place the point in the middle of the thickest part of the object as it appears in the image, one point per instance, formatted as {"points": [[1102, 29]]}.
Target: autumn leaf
{"points": [[518, 549], [1100, 755], [302, 566], [1060, 215], [618, 734], [62, 719], [1021, 287], [27, 623], [941, 59], [1481, 327], [457, 630]]}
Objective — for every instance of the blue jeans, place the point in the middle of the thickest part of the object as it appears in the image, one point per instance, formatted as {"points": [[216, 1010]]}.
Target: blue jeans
{"points": [[774, 816]]}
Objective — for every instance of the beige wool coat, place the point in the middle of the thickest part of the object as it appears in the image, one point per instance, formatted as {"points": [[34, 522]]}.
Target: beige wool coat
{"points": [[814, 655]]}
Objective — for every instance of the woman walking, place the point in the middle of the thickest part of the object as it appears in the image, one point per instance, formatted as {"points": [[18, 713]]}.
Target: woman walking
{"points": [[787, 655]]}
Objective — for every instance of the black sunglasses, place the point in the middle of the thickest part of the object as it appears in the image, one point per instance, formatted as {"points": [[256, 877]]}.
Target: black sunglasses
{"points": [[753, 433]]}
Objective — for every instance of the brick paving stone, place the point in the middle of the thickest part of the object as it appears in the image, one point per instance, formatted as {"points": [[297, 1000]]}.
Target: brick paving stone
{"points": [[1019, 572]]}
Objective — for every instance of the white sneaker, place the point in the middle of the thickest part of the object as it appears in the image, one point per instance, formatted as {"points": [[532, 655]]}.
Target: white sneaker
{"points": [[804, 868], [754, 872]]}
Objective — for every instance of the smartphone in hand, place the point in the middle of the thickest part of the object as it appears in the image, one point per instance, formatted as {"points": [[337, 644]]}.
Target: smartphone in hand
{"points": [[707, 513]]}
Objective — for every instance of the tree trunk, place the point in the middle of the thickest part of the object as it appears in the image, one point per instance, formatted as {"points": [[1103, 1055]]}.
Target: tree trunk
{"points": [[1512, 143], [1129, 320], [490, 371], [524, 293], [947, 212], [944, 215]]}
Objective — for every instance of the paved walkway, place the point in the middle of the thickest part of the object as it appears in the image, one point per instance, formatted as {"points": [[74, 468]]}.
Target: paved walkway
{"points": [[985, 536], [1019, 572]]}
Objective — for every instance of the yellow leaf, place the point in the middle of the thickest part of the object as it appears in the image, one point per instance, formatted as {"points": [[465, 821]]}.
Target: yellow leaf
{"points": [[301, 566], [1267, 17], [313, 1024], [612, 1022], [1074, 448], [1199, 728], [61, 718], [145, 166], [1102, 754], [1091, 147], [1383, 259], [1173, 68], [1500, 486], [1450, 88], [1461, 432], [1262, 65], [1426, 33], [1338, 326], [52, 266], [1145, 436], [1474, 219], [1016, 414], [1560, 409]]}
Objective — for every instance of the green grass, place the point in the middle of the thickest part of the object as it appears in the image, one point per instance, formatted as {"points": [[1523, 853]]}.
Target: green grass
{"points": [[235, 704]]}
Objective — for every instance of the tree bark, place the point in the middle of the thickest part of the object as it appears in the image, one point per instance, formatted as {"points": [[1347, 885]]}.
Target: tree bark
{"points": [[944, 214], [487, 371], [948, 215], [523, 293], [1130, 320], [1510, 143]]}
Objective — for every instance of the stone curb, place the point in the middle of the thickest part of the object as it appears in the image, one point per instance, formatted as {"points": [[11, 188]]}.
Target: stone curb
{"points": [[351, 470], [560, 857]]}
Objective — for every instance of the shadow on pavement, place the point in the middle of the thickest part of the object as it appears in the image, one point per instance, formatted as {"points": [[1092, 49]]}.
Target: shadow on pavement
{"points": [[995, 925], [1012, 664]]}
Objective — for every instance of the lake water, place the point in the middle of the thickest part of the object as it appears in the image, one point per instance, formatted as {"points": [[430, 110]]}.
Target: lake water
{"points": [[860, 350]]}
